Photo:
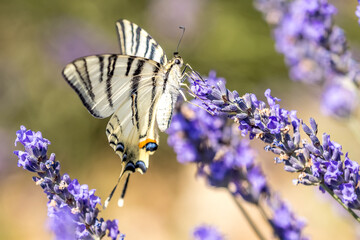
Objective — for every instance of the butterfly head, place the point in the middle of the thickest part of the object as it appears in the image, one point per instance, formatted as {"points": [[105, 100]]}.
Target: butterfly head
{"points": [[177, 60]]}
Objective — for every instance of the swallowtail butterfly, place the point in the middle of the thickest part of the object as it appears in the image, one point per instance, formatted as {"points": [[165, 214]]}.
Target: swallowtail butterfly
{"points": [[138, 87]]}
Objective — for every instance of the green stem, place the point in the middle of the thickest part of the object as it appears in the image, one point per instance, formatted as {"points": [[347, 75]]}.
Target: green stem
{"points": [[247, 217], [357, 218], [263, 213]]}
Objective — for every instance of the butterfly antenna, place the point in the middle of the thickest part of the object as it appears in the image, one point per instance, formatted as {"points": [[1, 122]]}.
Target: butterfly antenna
{"points": [[121, 199], [112, 192], [177, 48]]}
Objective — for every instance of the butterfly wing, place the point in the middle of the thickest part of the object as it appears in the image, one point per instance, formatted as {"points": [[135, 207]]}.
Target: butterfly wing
{"points": [[135, 41], [104, 82], [131, 131]]}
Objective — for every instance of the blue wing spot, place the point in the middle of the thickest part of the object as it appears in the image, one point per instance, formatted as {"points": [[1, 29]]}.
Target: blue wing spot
{"points": [[130, 167], [151, 146], [120, 147], [124, 157], [140, 164]]}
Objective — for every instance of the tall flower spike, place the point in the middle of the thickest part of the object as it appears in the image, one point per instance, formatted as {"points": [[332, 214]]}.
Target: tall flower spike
{"points": [[317, 161], [315, 50], [72, 207], [223, 159]]}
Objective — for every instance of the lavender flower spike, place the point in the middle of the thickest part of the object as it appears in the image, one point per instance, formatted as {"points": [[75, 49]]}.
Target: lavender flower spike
{"points": [[71, 207], [317, 161], [315, 49], [223, 159]]}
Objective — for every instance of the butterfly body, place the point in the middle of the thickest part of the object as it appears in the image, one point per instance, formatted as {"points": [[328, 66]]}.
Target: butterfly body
{"points": [[138, 87]]}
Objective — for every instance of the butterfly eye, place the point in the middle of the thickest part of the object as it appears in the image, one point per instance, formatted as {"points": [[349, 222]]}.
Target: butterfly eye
{"points": [[177, 61]]}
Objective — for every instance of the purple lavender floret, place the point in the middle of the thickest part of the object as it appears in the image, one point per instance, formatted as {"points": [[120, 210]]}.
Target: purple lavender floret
{"points": [[315, 50], [206, 232], [72, 207], [339, 100], [319, 161], [285, 223]]}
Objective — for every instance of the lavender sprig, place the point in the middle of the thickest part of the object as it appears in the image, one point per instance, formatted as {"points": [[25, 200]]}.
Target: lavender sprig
{"points": [[315, 50], [228, 162], [318, 162], [71, 207]]}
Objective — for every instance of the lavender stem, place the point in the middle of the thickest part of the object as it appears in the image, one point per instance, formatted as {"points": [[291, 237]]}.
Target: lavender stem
{"points": [[247, 217], [328, 190]]}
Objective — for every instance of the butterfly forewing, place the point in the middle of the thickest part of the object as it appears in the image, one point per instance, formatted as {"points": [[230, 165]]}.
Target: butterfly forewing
{"points": [[104, 82], [136, 41]]}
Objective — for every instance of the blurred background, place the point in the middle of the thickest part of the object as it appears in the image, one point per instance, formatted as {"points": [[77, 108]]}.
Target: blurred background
{"points": [[38, 38]]}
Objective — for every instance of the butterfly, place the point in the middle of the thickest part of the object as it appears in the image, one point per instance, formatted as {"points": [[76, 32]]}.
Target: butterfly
{"points": [[138, 87]]}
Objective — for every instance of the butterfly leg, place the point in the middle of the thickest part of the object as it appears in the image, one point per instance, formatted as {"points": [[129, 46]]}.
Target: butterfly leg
{"points": [[184, 74], [183, 95]]}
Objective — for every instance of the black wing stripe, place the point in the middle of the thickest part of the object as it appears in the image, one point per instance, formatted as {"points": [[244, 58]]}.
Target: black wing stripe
{"points": [[138, 30], [101, 62], [166, 77], [110, 73], [162, 59], [86, 71], [134, 94], [132, 38], [95, 114], [152, 51], [114, 135], [129, 63], [148, 37], [86, 82], [123, 36]]}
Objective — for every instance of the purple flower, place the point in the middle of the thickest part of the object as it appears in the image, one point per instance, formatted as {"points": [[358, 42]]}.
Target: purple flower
{"points": [[348, 193], [205, 232], [333, 173], [315, 49], [72, 207], [317, 161], [287, 226], [339, 100], [114, 232], [357, 12], [62, 223], [215, 146], [257, 181]]}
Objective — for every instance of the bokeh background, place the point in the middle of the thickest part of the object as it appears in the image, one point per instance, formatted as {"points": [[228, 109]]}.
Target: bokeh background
{"points": [[38, 38]]}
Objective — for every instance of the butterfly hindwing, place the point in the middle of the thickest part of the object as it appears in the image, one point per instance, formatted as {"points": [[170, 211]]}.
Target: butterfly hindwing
{"points": [[135, 41], [132, 131], [104, 82]]}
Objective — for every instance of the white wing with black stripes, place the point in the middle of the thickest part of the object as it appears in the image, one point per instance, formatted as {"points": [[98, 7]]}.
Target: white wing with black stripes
{"points": [[138, 87], [135, 41], [103, 82]]}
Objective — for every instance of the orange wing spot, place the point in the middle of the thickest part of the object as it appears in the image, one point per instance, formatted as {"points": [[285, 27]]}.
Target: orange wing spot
{"points": [[143, 143]]}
